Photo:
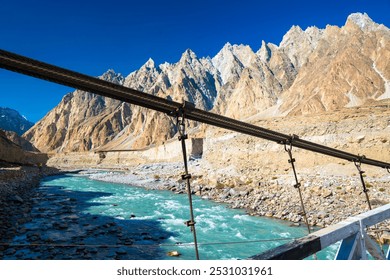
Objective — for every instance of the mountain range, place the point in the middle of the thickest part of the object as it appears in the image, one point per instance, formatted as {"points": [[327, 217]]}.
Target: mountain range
{"points": [[309, 72], [11, 120]]}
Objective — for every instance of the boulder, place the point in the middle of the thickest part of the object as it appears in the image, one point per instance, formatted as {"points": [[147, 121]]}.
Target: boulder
{"points": [[173, 254]]}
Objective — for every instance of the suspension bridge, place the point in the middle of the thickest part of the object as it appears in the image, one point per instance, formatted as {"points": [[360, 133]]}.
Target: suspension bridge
{"points": [[352, 232]]}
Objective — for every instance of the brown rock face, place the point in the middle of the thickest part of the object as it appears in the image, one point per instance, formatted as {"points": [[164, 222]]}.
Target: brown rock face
{"points": [[349, 67], [311, 71], [13, 153], [21, 142]]}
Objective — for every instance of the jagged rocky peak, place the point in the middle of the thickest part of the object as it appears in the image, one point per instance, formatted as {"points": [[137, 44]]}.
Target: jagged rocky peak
{"points": [[363, 21], [232, 59], [149, 64], [265, 51], [188, 56], [344, 69], [111, 76], [144, 78], [299, 44], [294, 33], [314, 33], [243, 53]]}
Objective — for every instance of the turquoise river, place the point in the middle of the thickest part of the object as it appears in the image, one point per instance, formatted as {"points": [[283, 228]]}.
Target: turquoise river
{"points": [[74, 217]]}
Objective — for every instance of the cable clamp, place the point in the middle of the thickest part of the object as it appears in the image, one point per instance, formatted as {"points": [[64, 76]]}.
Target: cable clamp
{"points": [[358, 163], [186, 176], [189, 223], [289, 142], [297, 185]]}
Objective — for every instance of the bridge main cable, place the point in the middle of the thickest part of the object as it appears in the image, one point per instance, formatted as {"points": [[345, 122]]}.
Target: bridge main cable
{"points": [[45, 71]]}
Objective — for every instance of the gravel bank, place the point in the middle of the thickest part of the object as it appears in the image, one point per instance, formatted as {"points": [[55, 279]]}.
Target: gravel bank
{"points": [[16, 187]]}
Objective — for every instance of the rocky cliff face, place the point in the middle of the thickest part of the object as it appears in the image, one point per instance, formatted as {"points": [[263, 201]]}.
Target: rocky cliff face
{"points": [[310, 71], [13, 153], [82, 121], [20, 141], [346, 67]]}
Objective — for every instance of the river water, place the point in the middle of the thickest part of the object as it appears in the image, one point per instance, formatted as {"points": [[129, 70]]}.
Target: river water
{"points": [[75, 217]]}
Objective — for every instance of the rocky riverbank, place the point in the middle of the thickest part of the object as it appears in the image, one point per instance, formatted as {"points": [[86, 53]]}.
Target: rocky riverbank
{"points": [[17, 183], [56, 227]]}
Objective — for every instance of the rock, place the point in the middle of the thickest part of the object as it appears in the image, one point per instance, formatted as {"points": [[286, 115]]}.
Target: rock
{"points": [[244, 193], [322, 214], [121, 251], [295, 225], [173, 254], [233, 192], [326, 193], [385, 237], [268, 214], [360, 138], [17, 198], [223, 196]]}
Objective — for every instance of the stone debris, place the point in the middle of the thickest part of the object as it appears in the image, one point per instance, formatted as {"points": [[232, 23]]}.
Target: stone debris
{"points": [[173, 254]]}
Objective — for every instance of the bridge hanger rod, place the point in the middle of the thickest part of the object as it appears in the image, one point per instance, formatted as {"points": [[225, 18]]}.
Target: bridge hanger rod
{"points": [[38, 69]]}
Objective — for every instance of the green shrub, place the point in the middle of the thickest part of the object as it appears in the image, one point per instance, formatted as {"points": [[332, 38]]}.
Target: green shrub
{"points": [[368, 185]]}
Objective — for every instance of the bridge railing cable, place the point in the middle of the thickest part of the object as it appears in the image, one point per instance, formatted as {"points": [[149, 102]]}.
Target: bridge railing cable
{"points": [[35, 68]]}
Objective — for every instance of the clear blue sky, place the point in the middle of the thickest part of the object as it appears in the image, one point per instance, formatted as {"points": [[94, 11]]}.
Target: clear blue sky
{"points": [[93, 36]]}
